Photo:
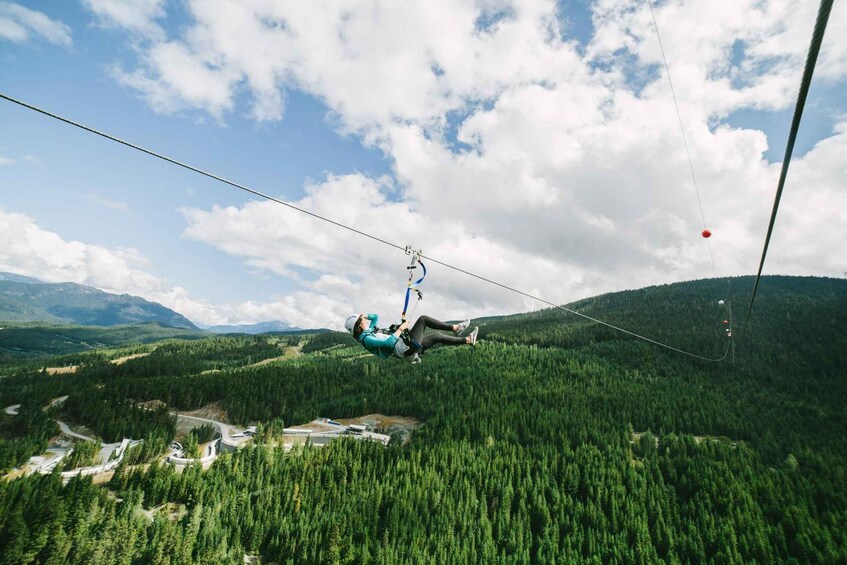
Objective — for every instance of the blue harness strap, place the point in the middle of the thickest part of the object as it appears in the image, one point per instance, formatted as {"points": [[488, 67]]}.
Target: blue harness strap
{"points": [[413, 286]]}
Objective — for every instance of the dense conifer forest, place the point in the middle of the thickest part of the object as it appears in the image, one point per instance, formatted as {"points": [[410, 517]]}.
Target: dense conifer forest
{"points": [[20, 341], [554, 440]]}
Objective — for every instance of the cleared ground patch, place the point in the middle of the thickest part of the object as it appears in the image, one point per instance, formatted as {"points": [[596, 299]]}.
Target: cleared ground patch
{"points": [[211, 411], [172, 511], [402, 426], [122, 360], [62, 370], [73, 368], [290, 353], [151, 404]]}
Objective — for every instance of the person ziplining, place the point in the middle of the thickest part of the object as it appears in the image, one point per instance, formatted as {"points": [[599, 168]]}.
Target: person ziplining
{"points": [[404, 343]]}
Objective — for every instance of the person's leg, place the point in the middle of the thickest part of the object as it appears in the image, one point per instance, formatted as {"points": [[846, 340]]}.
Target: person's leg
{"points": [[429, 340], [424, 322]]}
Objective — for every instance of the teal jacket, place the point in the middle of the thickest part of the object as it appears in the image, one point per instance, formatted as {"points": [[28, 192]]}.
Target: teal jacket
{"points": [[380, 345]]}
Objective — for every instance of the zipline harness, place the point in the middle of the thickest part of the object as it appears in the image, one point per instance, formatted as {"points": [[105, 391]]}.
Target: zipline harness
{"points": [[413, 286]]}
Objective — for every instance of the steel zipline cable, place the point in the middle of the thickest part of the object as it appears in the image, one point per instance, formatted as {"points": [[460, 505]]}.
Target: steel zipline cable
{"points": [[808, 71], [682, 131], [354, 230]]}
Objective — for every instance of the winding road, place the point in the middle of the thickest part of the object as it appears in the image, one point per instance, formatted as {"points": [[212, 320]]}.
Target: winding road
{"points": [[227, 431]]}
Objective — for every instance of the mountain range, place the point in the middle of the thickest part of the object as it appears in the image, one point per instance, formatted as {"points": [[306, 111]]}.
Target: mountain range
{"points": [[26, 299]]}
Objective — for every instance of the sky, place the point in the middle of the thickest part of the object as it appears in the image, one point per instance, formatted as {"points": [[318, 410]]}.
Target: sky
{"points": [[534, 143]]}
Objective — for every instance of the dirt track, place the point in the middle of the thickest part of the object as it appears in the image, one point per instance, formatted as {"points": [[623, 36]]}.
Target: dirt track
{"points": [[122, 360]]}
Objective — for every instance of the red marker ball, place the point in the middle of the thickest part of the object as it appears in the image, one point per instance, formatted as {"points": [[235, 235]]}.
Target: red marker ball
{"points": [[707, 234]]}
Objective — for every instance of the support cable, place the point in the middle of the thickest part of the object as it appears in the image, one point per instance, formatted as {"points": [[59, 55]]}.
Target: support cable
{"points": [[684, 138], [338, 224], [808, 71]]}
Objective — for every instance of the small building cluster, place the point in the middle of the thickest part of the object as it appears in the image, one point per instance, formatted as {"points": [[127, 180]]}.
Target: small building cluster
{"points": [[323, 430]]}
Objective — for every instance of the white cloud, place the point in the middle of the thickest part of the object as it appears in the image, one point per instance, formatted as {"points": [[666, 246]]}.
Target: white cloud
{"points": [[182, 80], [810, 229], [6, 161], [137, 16], [556, 253], [395, 61], [355, 272], [342, 272], [28, 249], [19, 24], [383, 62], [723, 55]]}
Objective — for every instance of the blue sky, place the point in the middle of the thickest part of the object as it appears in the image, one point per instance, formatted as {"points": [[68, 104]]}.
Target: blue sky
{"points": [[491, 142]]}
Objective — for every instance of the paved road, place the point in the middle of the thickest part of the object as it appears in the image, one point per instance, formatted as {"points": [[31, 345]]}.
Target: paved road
{"points": [[220, 425]]}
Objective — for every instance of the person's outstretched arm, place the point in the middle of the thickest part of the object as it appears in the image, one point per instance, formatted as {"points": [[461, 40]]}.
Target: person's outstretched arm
{"points": [[399, 331]]}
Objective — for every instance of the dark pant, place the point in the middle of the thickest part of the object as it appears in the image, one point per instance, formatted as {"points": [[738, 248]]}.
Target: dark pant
{"points": [[427, 341]]}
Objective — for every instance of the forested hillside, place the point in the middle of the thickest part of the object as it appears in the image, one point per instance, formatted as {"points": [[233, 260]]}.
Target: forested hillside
{"points": [[38, 341], [553, 440]]}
